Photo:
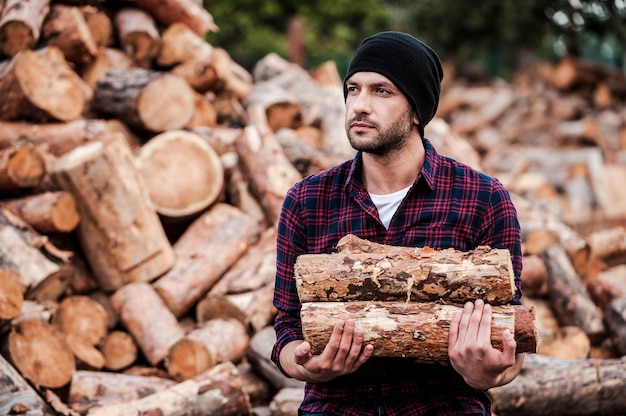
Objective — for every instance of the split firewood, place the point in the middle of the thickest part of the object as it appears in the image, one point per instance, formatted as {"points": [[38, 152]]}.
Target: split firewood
{"points": [[189, 12], [58, 139], [11, 296], [308, 158], [40, 353], [571, 72], [258, 388], [20, 25], [93, 389], [411, 329], [534, 276], [111, 196], [609, 244], [48, 212], [21, 167], [105, 59], [608, 285], [406, 274], [205, 114], [221, 339], [17, 396], [206, 72], [267, 168], [181, 44], [83, 317], [32, 82], [287, 401], [99, 24], [569, 298], [65, 28], [143, 98], [182, 173], [119, 350], [144, 314], [256, 306], [499, 101], [566, 342], [282, 109], [222, 229], [39, 309], [138, 35], [615, 318], [548, 386], [218, 391]]}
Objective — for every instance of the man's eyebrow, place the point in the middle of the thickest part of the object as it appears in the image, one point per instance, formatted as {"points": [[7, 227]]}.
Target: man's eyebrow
{"points": [[383, 84]]}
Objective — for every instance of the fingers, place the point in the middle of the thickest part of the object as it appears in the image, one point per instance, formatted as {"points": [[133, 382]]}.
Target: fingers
{"points": [[302, 353], [509, 346]]}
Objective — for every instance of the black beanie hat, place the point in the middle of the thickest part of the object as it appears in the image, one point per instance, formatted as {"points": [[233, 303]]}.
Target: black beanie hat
{"points": [[409, 63]]}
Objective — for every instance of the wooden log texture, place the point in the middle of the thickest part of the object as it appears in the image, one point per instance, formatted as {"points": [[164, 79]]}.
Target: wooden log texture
{"points": [[17, 396], [20, 24], [222, 229], [416, 329], [21, 167], [47, 212], [181, 44], [182, 172], [218, 391], [32, 83], [11, 296], [144, 98], [65, 28], [548, 386], [138, 35], [407, 274], [105, 59], [569, 298], [40, 353], [119, 350], [189, 12], [92, 389], [147, 318], [615, 318], [134, 248]]}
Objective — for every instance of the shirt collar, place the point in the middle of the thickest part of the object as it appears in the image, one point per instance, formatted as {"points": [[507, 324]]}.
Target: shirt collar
{"points": [[428, 172]]}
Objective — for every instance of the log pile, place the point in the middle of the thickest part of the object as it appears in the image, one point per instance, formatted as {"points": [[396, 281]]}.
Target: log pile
{"points": [[113, 203]]}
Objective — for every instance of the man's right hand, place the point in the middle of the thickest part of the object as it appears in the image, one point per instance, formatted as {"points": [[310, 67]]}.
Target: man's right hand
{"points": [[343, 355]]}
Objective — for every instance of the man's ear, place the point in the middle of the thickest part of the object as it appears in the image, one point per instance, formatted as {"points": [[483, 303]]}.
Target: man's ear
{"points": [[416, 121]]}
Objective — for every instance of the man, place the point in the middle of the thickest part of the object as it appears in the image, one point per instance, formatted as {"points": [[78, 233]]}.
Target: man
{"points": [[397, 190]]}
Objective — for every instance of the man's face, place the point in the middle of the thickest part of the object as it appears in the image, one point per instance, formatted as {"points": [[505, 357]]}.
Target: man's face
{"points": [[379, 117]]}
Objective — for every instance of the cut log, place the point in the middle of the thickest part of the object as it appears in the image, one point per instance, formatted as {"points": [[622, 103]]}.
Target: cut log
{"points": [[119, 350], [99, 24], [22, 167], [147, 318], [266, 167], [32, 83], [608, 285], [20, 24], [206, 72], [48, 212], [287, 401], [222, 229], [39, 351], [407, 274], [548, 386], [282, 108], [65, 28], [570, 300], [83, 317], [144, 99], [181, 44], [305, 154], [566, 342], [534, 276], [17, 397], [608, 244], [183, 174], [11, 296], [138, 35], [256, 306], [90, 389], [258, 388], [615, 318], [189, 12], [105, 59], [187, 358], [120, 232], [218, 391], [415, 329], [205, 113]]}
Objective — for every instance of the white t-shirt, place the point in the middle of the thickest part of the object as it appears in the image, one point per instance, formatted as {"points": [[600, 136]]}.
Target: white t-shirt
{"points": [[387, 204]]}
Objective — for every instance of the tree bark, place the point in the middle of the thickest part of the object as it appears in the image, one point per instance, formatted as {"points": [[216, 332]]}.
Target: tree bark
{"points": [[20, 24], [143, 99], [222, 229], [48, 212], [548, 386], [218, 391], [182, 172], [32, 82], [138, 35], [147, 318], [66, 28], [181, 44], [416, 329], [120, 232], [406, 274]]}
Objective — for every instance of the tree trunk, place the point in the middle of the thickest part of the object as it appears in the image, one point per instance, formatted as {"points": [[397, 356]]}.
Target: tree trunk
{"points": [[32, 83], [416, 329], [41, 354], [182, 172], [48, 212], [20, 24], [406, 274], [66, 28], [218, 391], [548, 386], [143, 99], [138, 35], [120, 232], [148, 319], [222, 229]]}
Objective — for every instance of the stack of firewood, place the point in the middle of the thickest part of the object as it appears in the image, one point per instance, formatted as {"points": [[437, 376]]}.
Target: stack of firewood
{"points": [[142, 174]]}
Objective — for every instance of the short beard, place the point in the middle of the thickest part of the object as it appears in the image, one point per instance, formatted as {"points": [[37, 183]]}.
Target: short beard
{"points": [[388, 141]]}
